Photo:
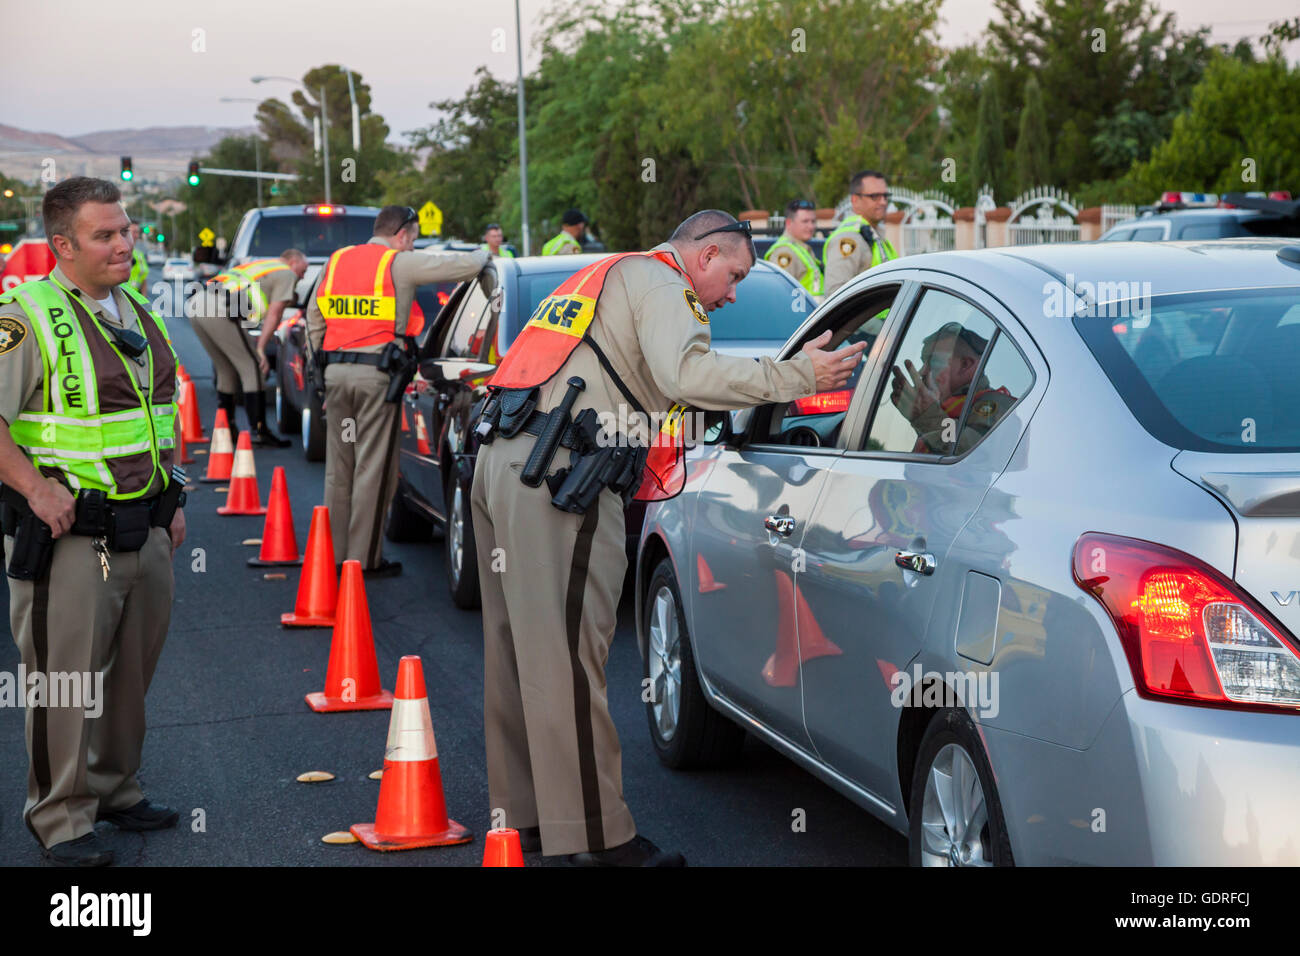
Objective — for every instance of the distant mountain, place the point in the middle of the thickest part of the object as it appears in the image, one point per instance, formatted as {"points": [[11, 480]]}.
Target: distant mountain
{"points": [[159, 152], [157, 139], [13, 139]]}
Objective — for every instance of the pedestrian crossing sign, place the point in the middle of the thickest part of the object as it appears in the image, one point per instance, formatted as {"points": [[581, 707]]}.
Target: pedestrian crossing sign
{"points": [[430, 220]]}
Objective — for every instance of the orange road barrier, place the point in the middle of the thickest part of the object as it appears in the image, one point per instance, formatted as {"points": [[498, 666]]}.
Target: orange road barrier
{"points": [[221, 453], [318, 588], [279, 544], [243, 498], [412, 811], [352, 680], [501, 848]]}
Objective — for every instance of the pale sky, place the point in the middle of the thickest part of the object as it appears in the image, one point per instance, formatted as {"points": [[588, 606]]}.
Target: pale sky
{"points": [[137, 59]]}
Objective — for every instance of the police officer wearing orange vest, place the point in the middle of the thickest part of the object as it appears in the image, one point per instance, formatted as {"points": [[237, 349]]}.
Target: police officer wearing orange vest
{"points": [[361, 326], [633, 331]]}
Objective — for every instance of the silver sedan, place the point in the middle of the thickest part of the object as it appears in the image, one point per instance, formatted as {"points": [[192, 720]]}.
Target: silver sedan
{"points": [[1029, 589]]}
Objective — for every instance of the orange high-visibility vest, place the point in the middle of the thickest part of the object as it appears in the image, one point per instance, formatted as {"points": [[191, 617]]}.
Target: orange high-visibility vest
{"points": [[557, 327], [358, 300]]}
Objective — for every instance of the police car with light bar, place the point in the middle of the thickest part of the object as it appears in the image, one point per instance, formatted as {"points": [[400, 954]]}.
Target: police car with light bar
{"points": [[1186, 215]]}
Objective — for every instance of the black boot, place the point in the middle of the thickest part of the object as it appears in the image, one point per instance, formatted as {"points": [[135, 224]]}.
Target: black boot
{"points": [[636, 852], [226, 401], [263, 437]]}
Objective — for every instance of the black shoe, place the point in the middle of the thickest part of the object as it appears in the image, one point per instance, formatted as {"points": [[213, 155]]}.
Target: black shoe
{"points": [[83, 851], [263, 437], [530, 839], [143, 816], [636, 852], [384, 569], [226, 400]]}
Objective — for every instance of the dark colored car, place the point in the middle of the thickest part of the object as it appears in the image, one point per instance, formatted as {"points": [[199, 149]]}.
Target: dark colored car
{"points": [[464, 346]]}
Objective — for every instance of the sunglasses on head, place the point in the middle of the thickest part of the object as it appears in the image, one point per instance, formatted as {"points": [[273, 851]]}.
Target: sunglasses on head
{"points": [[803, 204], [411, 216], [743, 225]]}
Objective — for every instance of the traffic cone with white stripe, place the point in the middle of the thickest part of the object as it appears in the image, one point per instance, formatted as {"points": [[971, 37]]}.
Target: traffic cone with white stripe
{"points": [[412, 811], [243, 498], [352, 679], [221, 453]]}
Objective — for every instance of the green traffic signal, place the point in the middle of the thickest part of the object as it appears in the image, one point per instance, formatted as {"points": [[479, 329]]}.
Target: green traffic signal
{"points": [[127, 175], [161, 237], [194, 180]]}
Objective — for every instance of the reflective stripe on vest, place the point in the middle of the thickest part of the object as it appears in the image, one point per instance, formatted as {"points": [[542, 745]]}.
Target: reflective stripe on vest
{"points": [[556, 244], [812, 276], [502, 251], [852, 226], [95, 424], [557, 327], [357, 299], [245, 277], [139, 270]]}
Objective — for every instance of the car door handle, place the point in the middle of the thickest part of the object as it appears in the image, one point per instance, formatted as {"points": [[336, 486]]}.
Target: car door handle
{"points": [[922, 562], [780, 524]]}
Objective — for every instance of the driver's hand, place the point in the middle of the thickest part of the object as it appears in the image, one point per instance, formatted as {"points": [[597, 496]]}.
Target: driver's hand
{"points": [[833, 368]]}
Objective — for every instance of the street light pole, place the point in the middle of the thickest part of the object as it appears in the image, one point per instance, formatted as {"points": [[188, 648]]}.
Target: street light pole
{"points": [[356, 113], [523, 137]]}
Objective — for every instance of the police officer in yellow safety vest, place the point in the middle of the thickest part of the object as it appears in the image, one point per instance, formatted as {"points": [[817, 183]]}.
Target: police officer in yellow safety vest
{"points": [[257, 290], [791, 252], [361, 324], [91, 516], [139, 264], [493, 237], [568, 241], [859, 242]]}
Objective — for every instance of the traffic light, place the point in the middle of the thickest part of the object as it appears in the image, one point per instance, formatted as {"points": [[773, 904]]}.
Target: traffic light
{"points": [[146, 229], [127, 174], [160, 237], [194, 172]]}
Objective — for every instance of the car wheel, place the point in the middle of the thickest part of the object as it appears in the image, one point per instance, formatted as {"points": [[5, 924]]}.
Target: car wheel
{"points": [[956, 817], [313, 428], [686, 732], [289, 418], [405, 521], [461, 548]]}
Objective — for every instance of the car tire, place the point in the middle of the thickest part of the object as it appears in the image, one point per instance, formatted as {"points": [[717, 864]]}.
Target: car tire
{"points": [[312, 427], [686, 732], [288, 417], [406, 522], [461, 549], [953, 789]]}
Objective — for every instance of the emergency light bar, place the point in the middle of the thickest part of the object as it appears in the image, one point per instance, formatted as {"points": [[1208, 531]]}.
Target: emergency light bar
{"points": [[323, 210]]}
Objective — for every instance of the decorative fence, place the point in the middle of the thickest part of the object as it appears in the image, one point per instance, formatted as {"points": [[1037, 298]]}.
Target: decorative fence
{"points": [[927, 224], [1045, 224]]}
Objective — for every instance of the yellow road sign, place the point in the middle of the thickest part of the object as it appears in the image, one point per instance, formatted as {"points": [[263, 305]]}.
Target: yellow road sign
{"points": [[206, 236], [430, 220]]}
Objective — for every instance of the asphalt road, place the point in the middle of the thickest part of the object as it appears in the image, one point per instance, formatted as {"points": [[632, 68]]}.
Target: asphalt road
{"points": [[230, 732]]}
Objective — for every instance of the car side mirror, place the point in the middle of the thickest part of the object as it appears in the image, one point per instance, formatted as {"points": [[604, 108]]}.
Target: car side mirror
{"points": [[727, 430], [444, 373]]}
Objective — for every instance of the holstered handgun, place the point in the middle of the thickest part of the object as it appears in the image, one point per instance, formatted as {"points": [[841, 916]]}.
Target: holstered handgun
{"points": [[33, 548], [401, 364]]}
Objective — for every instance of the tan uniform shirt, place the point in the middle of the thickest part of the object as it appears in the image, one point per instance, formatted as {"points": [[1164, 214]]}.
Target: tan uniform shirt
{"points": [[277, 285], [21, 370], [660, 346], [846, 256], [791, 263], [410, 269]]}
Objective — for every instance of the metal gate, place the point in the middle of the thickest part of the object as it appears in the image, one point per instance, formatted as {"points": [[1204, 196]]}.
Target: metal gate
{"points": [[927, 224], [1045, 225]]}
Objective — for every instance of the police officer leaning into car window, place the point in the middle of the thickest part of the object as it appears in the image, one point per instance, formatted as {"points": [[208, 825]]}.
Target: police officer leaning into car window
{"points": [[91, 514], [631, 330], [360, 324]]}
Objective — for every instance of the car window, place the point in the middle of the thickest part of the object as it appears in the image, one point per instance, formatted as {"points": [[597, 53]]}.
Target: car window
{"points": [[935, 370], [1205, 230], [465, 339], [768, 307], [1118, 236], [1148, 234], [314, 235], [1009, 379]]}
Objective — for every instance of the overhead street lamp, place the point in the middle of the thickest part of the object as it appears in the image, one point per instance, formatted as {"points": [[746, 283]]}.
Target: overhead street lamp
{"points": [[356, 113], [324, 119], [257, 140]]}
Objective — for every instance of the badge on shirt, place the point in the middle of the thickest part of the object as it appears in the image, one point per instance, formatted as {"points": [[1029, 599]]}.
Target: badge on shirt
{"points": [[696, 306], [847, 246], [783, 260], [12, 332]]}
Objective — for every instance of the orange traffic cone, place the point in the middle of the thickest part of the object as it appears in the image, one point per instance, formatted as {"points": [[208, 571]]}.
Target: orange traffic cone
{"points": [[185, 457], [352, 680], [221, 453], [406, 426], [812, 642], [412, 812], [191, 427], [243, 498], [421, 435], [318, 588], [501, 848], [704, 572], [182, 376], [279, 544], [798, 636]]}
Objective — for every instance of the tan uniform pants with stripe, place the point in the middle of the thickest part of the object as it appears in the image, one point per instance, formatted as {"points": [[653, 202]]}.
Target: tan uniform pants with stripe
{"points": [[548, 620], [233, 353], [360, 460], [74, 621]]}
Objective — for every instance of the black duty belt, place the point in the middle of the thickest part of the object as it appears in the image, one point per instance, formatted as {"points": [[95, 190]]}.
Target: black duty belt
{"points": [[91, 519], [572, 437], [352, 358]]}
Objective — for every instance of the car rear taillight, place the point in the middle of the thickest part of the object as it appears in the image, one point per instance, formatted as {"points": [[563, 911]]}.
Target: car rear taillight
{"points": [[1284, 194], [443, 298], [823, 403], [323, 210], [1190, 634]]}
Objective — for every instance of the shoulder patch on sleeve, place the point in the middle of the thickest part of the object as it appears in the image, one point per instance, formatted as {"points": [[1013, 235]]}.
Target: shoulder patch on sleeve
{"points": [[696, 306], [12, 333], [783, 260], [847, 246]]}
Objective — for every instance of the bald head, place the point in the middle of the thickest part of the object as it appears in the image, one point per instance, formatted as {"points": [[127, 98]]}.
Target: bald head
{"points": [[732, 244]]}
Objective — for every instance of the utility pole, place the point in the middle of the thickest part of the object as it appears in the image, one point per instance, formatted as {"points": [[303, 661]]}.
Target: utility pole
{"points": [[523, 138], [325, 142]]}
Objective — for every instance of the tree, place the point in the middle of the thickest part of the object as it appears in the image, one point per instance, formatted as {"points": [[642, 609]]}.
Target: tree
{"points": [[988, 160], [1033, 163]]}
